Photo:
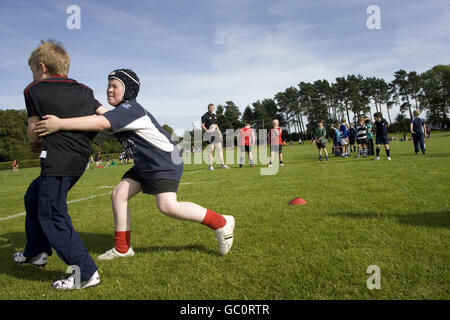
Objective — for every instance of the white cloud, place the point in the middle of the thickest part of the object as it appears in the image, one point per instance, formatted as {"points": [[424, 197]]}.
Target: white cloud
{"points": [[190, 54], [251, 63]]}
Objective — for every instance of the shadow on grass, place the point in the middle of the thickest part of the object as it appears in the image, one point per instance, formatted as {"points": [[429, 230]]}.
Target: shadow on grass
{"points": [[95, 243], [436, 155], [14, 241], [418, 156], [428, 219], [197, 247]]}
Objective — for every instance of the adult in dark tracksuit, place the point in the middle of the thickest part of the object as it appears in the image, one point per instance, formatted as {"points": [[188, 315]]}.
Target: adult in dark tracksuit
{"points": [[63, 157], [418, 129]]}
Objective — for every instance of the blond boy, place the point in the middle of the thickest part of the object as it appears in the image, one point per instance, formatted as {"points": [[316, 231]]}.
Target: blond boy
{"points": [[63, 160]]}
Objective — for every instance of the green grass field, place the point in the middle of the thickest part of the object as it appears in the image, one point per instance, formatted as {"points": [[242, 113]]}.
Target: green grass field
{"points": [[393, 214]]}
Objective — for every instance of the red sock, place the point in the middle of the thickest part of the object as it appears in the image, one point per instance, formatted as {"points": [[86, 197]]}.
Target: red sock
{"points": [[213, 220], [122, 241]]}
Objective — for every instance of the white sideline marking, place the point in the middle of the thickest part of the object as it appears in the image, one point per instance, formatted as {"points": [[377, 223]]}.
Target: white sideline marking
{"points": [[196, 171], [68, 202], [106, 187], [13, 216], [90, 197]]}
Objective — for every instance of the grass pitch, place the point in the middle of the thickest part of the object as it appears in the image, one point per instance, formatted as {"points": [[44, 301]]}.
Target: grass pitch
{"points": [[392, 214]]}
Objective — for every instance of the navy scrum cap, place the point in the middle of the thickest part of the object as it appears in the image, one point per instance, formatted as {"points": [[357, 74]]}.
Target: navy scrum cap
{"points": [[129, 80]]}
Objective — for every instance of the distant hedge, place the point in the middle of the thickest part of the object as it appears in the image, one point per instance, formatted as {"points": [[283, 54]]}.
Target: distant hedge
{"points": [[22, 164], [31, 163]]}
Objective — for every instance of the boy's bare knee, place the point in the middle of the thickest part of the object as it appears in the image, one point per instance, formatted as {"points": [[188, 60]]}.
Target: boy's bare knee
{"points": [[118, 195], [165, 208], [114, 194]]}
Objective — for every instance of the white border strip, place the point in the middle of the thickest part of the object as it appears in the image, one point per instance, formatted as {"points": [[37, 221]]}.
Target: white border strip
{"points": [[196, 171], [68, 202], [13, 216]]}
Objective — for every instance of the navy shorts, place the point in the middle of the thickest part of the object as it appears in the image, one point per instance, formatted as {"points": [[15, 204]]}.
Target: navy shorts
{"points": [[363, 141], [214, 137], [336, 143], [382, 140], [320, 145], [152, 186]]}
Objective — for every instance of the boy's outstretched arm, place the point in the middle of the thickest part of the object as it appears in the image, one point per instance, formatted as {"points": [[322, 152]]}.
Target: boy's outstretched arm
{"points": [[51, 124]]}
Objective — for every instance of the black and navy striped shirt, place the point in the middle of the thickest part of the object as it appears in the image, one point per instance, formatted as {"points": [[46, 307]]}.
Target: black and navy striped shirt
{"points": [[361, 132]]}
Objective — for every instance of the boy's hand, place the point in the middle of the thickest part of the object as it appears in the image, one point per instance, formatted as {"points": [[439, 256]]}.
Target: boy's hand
{"points": [[49, 125], [101, 110]]}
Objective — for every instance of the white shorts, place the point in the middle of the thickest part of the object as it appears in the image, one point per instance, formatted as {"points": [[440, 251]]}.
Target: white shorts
{"points": [[344, 141]]}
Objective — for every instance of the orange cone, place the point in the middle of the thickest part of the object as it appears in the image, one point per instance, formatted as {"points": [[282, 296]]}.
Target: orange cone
{"points": [[297, 201]]}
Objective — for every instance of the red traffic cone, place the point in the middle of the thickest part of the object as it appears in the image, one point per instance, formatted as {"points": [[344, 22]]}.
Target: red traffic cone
{"points": [[297, 201]]}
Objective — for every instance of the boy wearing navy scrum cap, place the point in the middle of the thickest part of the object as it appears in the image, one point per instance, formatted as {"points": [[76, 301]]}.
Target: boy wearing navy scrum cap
{"points": [[158, 166]]}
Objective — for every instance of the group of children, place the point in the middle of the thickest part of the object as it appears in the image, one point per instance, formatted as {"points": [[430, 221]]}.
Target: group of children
{"points": [[344, 138], [123, 159], [63, 116]]}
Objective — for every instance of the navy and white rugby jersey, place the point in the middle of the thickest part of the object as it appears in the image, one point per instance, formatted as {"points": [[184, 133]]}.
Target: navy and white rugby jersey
{"points": [[361, 132], [150, 146]]}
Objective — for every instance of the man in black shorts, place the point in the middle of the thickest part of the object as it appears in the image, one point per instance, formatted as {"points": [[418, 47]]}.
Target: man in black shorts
{"points": [[213, 136], [382, 135]]}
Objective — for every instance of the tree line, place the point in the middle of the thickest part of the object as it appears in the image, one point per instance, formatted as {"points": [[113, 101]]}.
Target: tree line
{"points": [[299, 108], [14, 141]]}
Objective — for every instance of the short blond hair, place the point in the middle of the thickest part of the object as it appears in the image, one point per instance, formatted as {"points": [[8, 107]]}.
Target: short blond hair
{"points": [[53, 55], [416, 112]]}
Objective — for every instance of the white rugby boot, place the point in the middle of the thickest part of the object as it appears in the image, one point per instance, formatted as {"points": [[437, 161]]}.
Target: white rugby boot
{"points": [[39, 260], [69, 282], [225, 235], [114, 254]]}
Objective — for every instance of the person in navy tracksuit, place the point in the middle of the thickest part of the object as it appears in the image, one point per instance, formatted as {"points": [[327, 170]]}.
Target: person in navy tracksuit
{"points": [[418, 130], [64, 156]]}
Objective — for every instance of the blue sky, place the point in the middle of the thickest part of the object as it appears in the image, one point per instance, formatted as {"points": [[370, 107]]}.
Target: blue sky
{"points": [[193, 52]]}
